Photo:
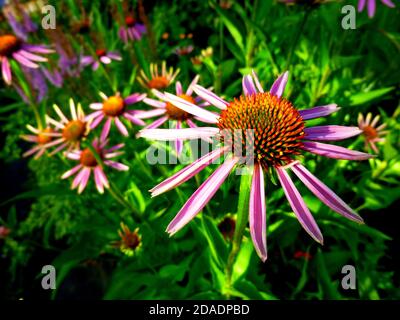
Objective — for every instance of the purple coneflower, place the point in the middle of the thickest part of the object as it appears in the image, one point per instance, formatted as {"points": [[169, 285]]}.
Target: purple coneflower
{"points": [[167, 109], [184, 50], [371, 6], [158, 80], [88, 163], [21, 24], [277, 134], [4, 232], [12, 47], [113, 108], [72, 131], [132, 31], [372, 134], [102, 56]]}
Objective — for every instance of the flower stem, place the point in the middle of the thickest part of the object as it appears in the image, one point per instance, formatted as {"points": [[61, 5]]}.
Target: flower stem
{"points": [[242, 217]]}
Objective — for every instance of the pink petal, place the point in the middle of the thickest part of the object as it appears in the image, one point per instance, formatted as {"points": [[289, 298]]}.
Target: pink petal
{"points": [[248, 85], [325, 194], [71, 172], [84, 180], [330, 133], [24, 61], [317, 112], [178, 88], [133, 119], [155, 124], [257, 213], [174, 134], [189, 90], [6, 70], [257, 82], [335, 152], [298, 206], [190, 107], [149, 114], [106, 129], [188, 172], [201, 196], [121, 127], [210, 97], [154, 103], [279, 85], [32, 57], [116, 165]]}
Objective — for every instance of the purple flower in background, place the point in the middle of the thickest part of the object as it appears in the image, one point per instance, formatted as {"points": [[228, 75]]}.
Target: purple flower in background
{"points": [[132, 31], [89, 164], [4, 232], [371, 131], [371, 6], [184, 51], [102, 56], [40, 137], [21, 24], [14, 48], [277, 134], [112, 109], [168, 109]]}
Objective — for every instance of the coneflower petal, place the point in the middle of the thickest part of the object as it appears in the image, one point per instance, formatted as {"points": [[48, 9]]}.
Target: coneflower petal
{"points": [[248, 85], [149, 114], [121, 127], [186, 173], [371, 8], [324, 193], [279, 85], [189, 90], [257, 213], [6, 70], [71, 172], [178, 88], [134, 98], [133, 119], [84, 179], [106, 129], [201, 196], [298, 206], [389, 3], [331, 133], [210, 97], [179, 142], [317, 112], [154, 103], [361, 5], [257, 81], [173, 134], [190, 107], [97, 179], [335, 152], [24, 61]]}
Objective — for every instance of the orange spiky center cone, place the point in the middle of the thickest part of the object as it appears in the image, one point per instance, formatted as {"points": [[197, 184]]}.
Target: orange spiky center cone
{"points": [[88, 159], [9, 44], [74, 130], [114, 106], [263, 127], [175, 113]]}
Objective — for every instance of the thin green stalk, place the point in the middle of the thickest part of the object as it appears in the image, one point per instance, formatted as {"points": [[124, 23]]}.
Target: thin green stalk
{"points": [[297, 37], [242, 217], [114, 191]]}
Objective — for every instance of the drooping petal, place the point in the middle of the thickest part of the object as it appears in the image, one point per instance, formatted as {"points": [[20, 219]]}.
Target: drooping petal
{"points": [[188, 172], [331, 132], [210, 97], [179, 142], [324, 193], [105, 60], [32, 57], [257, 213], [154, 103], [361, 5], [149, 114], [121, 127], [106, 129], [389, 3], [96, 121], [190, 107], [174, 134], [318, 112], [84, 179], [335, 152], [97, 179], [371, 8], [248, 85], [298, 206], [24, 61], [71, 172], [201, 196], [6, 70], [178, 88], [133, 119], [279, 85]]}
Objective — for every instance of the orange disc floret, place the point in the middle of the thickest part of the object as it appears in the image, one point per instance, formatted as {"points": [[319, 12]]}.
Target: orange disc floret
{"points": [[101, 52], [74, 130], [158, 83], [130, 21], [43, 138], [9, 44], [263, 126], [370, 132], [114, 106], [175, 113], [87, 158]]}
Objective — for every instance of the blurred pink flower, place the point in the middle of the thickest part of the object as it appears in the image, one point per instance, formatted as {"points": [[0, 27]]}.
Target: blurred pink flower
{"points": [[113, 109], [372, 134], [102, 56], [371, 6], [88, 164]]}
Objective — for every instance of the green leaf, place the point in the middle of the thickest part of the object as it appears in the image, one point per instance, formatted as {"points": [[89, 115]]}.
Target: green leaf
{"points": [[217, 245], [364, 97]]}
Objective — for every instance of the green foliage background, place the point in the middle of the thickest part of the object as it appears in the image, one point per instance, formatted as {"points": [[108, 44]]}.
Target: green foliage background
{"points": [[50, 224]]}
